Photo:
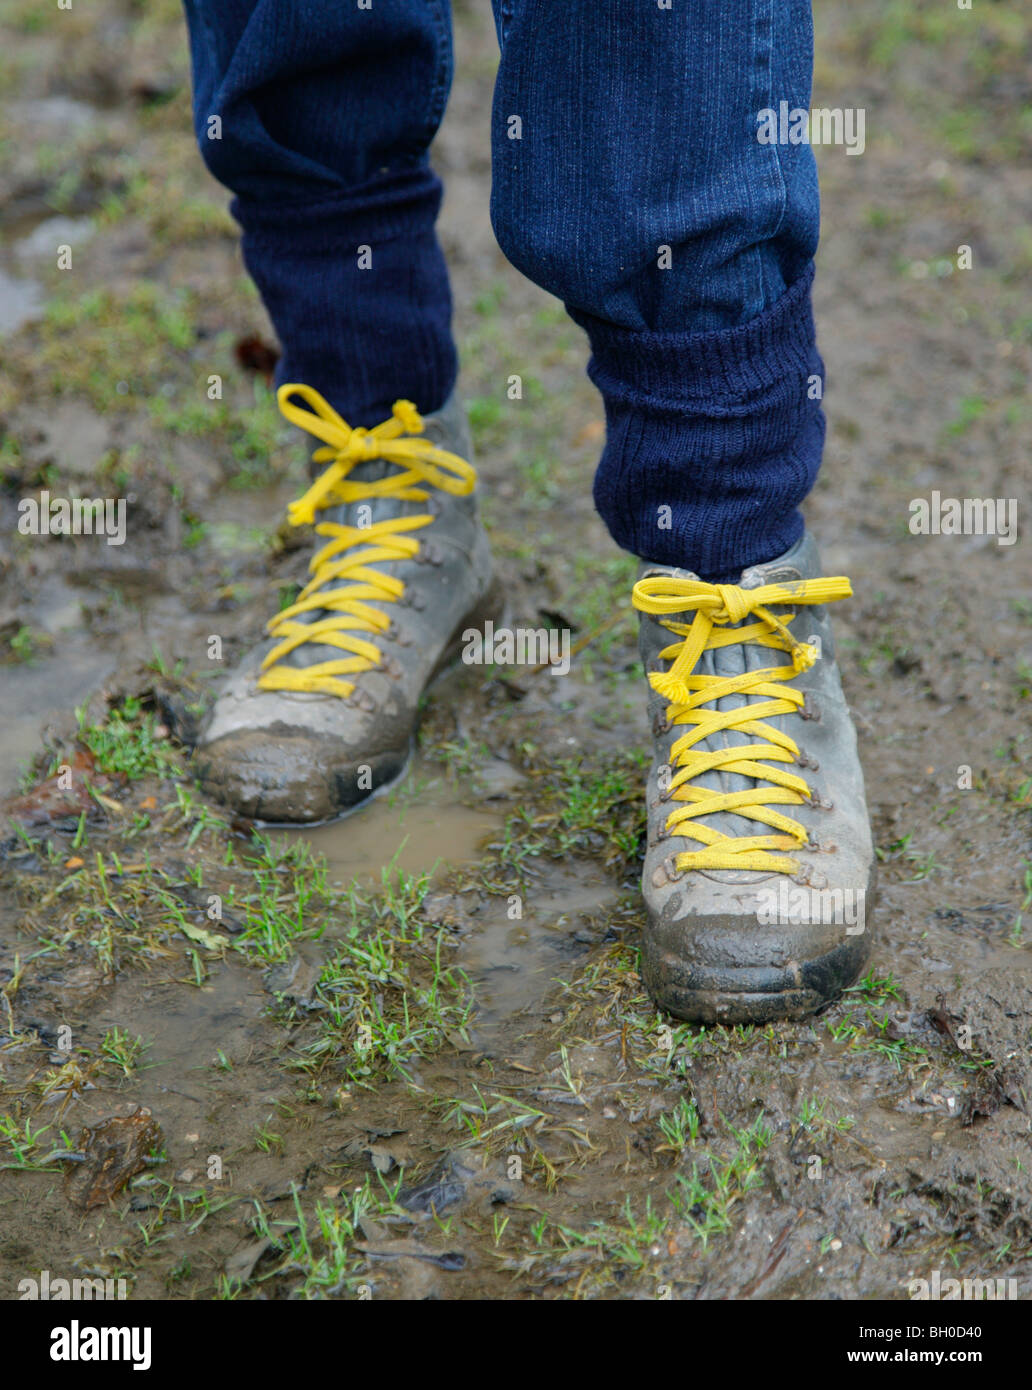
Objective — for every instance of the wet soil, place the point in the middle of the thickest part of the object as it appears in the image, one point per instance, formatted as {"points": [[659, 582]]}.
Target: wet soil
{"points": [[490, 1106]]}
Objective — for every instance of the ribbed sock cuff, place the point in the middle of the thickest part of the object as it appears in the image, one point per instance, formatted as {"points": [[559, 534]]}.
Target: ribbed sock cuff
{"points": [[364, 327], [712, 439]]}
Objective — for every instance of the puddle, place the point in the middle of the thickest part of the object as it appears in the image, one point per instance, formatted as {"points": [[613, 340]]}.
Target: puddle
{"points": [[33, 695], [185, 1027], [416, 827], [63, 114], [43, 241], [21, 301], [55, 680], [513, 961], [512, 948]]}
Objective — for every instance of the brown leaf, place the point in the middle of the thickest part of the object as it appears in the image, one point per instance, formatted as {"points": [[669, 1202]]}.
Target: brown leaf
{"points": [[51, 801], [116, 1150]]}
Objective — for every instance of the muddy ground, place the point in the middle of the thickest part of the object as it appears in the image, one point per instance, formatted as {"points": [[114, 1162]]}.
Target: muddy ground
{"points": [[370, 1076]]}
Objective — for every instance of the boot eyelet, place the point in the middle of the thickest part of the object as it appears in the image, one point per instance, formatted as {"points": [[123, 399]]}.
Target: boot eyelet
{"points": [[671, 870]]}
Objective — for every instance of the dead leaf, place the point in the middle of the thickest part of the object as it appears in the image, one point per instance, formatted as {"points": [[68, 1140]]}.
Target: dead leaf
{"points": [[52, 801], [256, 356], [116, 1150], [207, 939], [240, 1265]]}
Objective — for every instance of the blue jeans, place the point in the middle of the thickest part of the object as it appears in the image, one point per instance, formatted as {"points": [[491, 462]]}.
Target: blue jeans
{"points": [[628, 180]]}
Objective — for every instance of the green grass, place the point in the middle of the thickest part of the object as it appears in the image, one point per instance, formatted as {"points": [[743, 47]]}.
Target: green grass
{"points": [[577, 807], [26, 644], [128, 743], [122, 1050], [620, 1246], [22, 1146], [705, 1198], [680, 1126], [387, 995], [287, 888], [315, 1253]]}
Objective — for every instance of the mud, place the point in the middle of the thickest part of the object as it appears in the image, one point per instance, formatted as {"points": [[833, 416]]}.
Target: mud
{"points": [[428, 1068]]}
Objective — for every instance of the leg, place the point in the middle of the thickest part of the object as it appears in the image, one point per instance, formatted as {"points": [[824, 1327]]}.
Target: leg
{"points": [[318, 116], [640, 195], [630, 181]]}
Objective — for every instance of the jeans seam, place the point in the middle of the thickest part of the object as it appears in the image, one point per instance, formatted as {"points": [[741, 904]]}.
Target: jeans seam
{"points": [[506, 14], [778, 167], [440, 12]]}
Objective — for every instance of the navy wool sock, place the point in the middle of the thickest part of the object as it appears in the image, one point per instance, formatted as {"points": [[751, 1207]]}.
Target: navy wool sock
{"points": [[357, 289], [712, 439]]}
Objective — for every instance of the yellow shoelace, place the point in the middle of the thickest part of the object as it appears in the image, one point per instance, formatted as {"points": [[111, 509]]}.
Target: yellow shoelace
{"points": [[348, 605], [716, 606]]}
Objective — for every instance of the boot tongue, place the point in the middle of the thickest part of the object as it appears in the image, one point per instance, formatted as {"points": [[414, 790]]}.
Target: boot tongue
{"points": [[735, 661], [378, 509], [348, 514]]}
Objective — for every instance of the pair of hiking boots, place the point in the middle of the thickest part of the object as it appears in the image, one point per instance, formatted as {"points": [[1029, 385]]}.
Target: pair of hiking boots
{"points": [[758, 870]]}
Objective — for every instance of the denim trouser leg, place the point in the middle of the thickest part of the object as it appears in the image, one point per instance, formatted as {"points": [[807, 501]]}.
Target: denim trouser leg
{"points": [[629, 181], [323, 112]]}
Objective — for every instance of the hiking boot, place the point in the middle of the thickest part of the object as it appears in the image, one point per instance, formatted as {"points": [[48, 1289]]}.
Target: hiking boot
{"points": [[759, 870], [323, 713]]}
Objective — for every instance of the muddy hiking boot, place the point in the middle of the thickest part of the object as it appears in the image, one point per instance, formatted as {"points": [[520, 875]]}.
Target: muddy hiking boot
{"points": [[323, 713], [759, 868]]}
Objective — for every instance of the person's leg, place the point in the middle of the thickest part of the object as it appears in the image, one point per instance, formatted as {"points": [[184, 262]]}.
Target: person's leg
{"points": [[318, 116], [629, 181]]}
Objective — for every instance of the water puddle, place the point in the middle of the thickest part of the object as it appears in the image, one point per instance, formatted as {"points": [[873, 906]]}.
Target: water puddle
{"points": [[186, 1027], [41, 244], [512, 948], [32, 239], [513, 961], [417, 827], [54, 680], [21, 300]]}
